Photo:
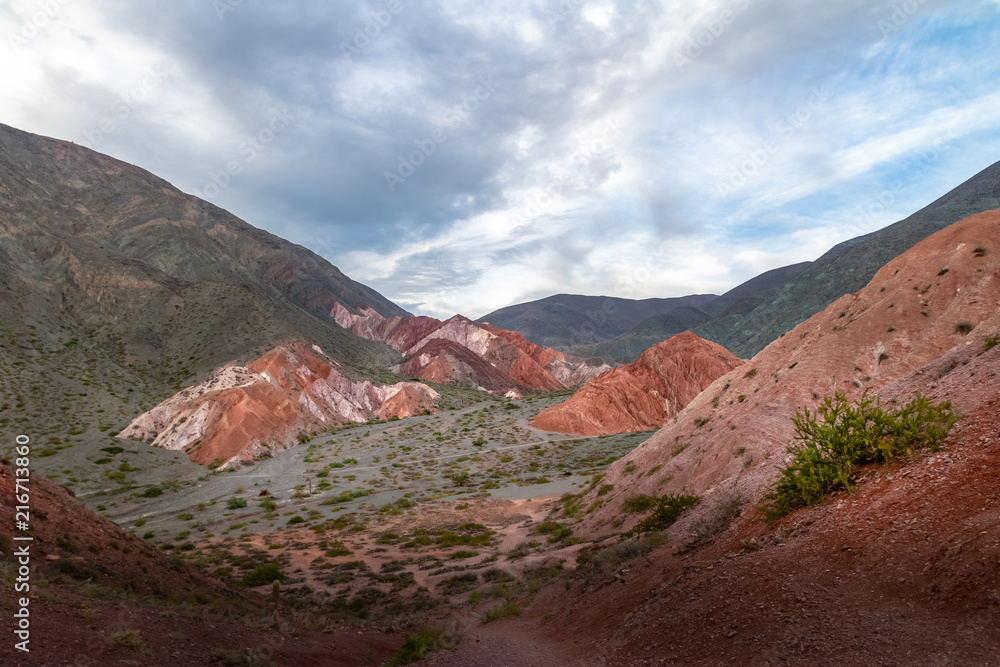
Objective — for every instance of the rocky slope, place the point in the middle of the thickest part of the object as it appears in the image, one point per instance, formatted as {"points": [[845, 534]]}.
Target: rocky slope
{"points": [[941, 294], [242, 413], [571, 319], [644, 394], [117, 286], [848, 267], [458, 351]]}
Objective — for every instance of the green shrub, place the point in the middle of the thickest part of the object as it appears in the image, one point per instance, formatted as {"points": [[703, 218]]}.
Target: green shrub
{"points": [[605, 489], [347, 496], [460, 583], [268, 505], [420, 643], [556, 531], [128, 638], [990, 343], [338, 549], [265, 574], [295, 520], [666, 511], [236, 503], [638, 504], [512, 608], [623, 551], [152, 492], [838, 437]]}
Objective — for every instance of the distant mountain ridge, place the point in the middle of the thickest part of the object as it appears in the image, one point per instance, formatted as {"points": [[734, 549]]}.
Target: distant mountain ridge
{"points": [[848, 267], [734, 304], [565, 320]]}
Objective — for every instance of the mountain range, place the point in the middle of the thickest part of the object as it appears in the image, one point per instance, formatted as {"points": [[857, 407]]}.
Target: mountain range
{"points": [[748, 317]]}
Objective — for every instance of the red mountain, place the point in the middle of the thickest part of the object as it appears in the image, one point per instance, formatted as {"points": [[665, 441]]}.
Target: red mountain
{"points": [[458, 350], [240, 413], [644, 394]]}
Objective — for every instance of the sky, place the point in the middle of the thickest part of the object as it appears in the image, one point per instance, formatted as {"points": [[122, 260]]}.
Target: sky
{"points": [[464, 156]]}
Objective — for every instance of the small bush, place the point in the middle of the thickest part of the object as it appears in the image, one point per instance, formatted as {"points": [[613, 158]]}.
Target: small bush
{"points": [[247, 657], [838, 437], [556, 531], [460, 583], [665, 512], [638, 504], [128, 638], [297, 519], [512, 608], [152, 492], [236, 503], [426, 640], [963, 328], [605, 489], [268, 505], [338, 549], [990, 343], [622, 552], [265, 574]]}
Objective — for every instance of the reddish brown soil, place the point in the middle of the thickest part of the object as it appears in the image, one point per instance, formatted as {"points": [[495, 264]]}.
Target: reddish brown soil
{"points": [[904, 572], [644, 394], [101, 579]]}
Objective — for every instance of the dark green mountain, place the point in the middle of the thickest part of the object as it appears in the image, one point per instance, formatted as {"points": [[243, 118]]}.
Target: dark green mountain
{"points": [[117, 289], [565, 320], [848, 267], [734, 303]]}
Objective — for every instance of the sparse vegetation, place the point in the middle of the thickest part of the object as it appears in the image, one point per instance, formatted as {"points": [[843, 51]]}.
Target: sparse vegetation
{"points": [[512, 608], [426, 640], [236, 503], [666, 510], [838, 437], [264, 574]]}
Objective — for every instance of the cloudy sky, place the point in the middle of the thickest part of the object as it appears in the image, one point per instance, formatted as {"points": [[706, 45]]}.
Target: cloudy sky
{"points": [[462, 156]]}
